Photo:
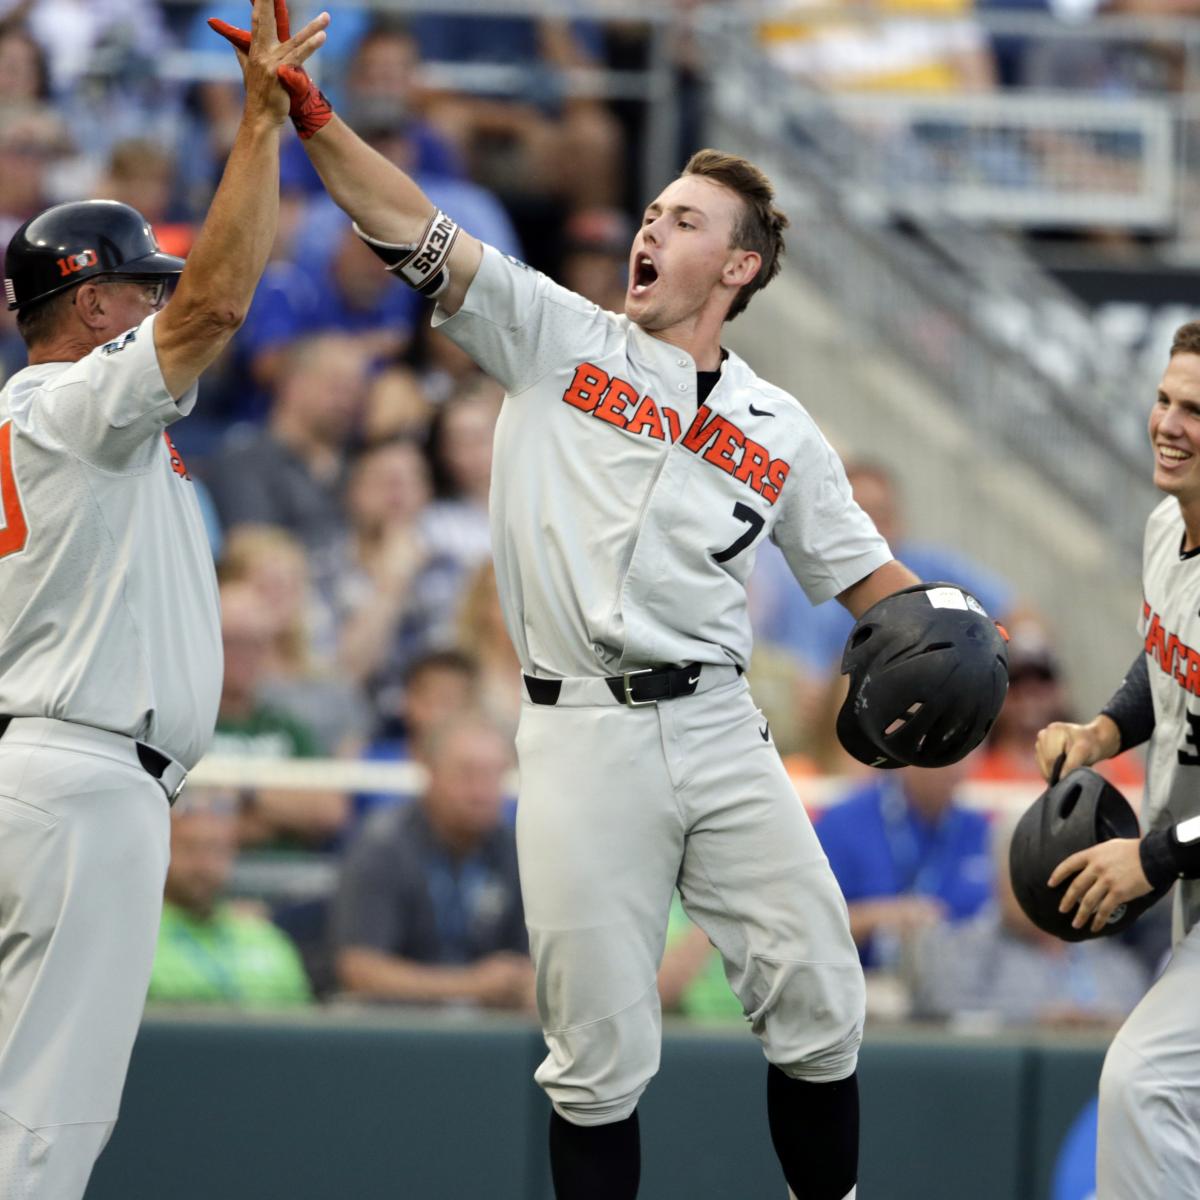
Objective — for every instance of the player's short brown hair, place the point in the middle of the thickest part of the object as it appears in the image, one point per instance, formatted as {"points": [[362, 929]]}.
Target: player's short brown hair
{"points": [[1186, 339], [762, 224], [38, 322]]}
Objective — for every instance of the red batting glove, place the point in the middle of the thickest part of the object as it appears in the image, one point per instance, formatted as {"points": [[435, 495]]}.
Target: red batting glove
{"points": [[310, 110]]}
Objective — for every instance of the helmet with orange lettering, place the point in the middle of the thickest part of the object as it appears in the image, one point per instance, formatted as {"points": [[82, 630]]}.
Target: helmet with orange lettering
{"points": [[74, 242]]}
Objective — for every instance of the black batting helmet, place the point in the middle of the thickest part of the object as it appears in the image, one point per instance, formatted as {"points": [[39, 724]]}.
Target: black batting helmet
{"points": [[1082, 809], [70, 243], [928, 673]]}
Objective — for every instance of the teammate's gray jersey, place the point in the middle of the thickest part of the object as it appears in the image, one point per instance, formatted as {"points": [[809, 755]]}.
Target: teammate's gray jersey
{"points": [[1170, 626], [108, 599], [625, 518]]}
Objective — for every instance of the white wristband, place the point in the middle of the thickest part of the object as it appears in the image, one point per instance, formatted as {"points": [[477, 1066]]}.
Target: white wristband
{"points": [[421, 264]]}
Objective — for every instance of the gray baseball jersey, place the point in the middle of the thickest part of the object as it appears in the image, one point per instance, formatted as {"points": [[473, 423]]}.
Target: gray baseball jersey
{"points": [[1150, 1085], [108, 599], [625, 516], [1170, 627]]}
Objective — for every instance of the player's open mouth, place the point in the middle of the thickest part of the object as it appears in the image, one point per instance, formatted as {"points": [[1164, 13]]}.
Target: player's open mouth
{"points": [[644, 275]]}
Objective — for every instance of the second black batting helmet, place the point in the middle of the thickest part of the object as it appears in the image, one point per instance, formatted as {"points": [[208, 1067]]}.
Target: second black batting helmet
{"points": [[70, 243], [928, 673], [1082, 809]]}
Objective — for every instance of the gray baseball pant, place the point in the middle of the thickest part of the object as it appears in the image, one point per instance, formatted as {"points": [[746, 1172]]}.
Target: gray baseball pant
{"points": [[617, 807], [84, 844], [1149, 1126]]}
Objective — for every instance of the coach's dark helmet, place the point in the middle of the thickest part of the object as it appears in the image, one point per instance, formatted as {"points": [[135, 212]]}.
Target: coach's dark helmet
{"points": [[71, 243], [1082, 809], [928, 673]]}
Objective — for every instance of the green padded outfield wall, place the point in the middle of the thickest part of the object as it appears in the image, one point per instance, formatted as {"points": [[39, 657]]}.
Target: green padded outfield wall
{"points": [[439, 1108]]}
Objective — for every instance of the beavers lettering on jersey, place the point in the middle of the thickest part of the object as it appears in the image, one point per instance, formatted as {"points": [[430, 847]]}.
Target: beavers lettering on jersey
{"points": [[713, 437], [1174, 657]]}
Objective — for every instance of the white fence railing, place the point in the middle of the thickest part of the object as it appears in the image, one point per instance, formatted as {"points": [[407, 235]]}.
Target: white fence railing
{"points": [[1026, 159], [408, 778]]}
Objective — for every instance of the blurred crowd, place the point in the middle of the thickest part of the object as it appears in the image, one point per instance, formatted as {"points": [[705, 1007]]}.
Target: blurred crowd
{"points": [[343, 452], [1029, 161], [956, 46]]}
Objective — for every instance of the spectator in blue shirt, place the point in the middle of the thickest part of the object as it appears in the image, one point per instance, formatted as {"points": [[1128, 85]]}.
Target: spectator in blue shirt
{"points": [[906, 854], [345, 292]]}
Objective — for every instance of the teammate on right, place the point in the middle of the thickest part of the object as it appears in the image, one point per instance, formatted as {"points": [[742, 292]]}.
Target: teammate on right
{"points": [[1149, 1132]]}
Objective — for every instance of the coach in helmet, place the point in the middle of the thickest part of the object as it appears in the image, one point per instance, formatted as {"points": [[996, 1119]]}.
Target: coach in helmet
{"points": [[50, 256], [110, 651]]}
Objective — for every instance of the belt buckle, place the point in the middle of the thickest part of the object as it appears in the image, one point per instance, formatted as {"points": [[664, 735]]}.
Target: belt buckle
{"points": [[629, 701]]}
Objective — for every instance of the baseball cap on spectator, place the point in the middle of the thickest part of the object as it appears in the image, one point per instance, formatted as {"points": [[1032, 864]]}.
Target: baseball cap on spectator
{"points": [[1031, 656]]}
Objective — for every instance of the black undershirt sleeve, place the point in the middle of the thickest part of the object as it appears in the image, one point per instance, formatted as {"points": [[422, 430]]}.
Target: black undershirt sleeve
{"points": [[1131, 708], [1164, 857]]}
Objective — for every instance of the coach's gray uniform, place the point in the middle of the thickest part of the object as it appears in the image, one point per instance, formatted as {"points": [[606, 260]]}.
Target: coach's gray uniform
{"points": [[625, 518], [109, 636], [1149, 1139]]}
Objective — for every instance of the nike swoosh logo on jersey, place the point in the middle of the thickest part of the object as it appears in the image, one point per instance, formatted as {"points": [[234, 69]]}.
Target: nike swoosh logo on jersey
{"points": [[765, 732], [693, 681], [758, 412]]}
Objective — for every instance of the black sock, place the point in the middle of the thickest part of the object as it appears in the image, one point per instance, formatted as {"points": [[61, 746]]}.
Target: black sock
{"points": [[814, 1128], [595, 1162]]}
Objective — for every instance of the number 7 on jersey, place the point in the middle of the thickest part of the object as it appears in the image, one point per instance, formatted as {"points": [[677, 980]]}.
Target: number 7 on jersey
{"points": [[15, 530], [743, 512]]}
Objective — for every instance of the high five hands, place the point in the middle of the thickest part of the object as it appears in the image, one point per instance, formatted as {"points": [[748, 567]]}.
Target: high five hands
{"points": [[268, 52]]}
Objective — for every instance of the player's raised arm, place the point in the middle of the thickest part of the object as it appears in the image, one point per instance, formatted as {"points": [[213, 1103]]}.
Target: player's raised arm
{"points": [[417, 243], [231, 249]]}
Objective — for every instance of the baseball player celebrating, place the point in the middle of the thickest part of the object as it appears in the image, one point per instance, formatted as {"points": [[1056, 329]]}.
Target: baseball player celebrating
{"points": [[110, 647], [638, 466], [1149, 1125]]}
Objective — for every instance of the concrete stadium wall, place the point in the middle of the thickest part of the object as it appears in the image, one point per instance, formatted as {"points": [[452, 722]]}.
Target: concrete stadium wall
{"points": [[377, 1106]]}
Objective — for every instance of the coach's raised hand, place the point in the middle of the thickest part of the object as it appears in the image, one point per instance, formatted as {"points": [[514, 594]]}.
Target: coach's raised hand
{"points": [[307, 106], [231, 249]]}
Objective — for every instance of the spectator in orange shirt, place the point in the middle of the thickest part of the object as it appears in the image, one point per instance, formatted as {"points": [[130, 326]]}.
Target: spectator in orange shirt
{"points": [[1037, 695]]}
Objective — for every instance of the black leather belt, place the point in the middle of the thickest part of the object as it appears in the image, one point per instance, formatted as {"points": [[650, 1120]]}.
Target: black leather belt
{"points": [[154, 763], [633, 688]]}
